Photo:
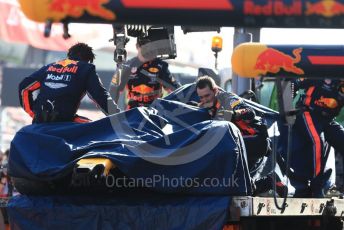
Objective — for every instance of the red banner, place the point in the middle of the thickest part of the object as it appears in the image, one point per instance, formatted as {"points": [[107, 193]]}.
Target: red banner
{"points": [[180, 4]]}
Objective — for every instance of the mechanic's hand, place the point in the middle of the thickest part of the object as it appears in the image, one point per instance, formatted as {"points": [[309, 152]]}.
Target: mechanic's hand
{"points": [[206, 105]]}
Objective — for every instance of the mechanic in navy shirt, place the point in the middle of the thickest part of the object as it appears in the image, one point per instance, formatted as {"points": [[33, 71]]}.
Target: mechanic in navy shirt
{"points": [[53, 93], [319, 103]]}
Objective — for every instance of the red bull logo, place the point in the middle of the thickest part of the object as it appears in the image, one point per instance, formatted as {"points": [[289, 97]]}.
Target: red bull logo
{"points": [[325, 102], [66, 62], [153, 70], [326, 8], [272, 61], [76, 8], [142, 89]]}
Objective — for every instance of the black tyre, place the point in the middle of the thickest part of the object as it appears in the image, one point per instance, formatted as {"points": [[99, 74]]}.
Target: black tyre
{"points": [[29, 187]]}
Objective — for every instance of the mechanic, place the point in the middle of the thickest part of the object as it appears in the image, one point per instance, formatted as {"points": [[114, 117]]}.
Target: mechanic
{"points": [[228, 106], [319, 103], [143, 78], [53, 93]]}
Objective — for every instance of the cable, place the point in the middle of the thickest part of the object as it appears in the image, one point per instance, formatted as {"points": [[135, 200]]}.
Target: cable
{"points": [[289, 147], [286, 110]]}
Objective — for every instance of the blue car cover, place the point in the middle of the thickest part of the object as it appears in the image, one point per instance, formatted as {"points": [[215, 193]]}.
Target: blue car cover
{"points": [[191, 165], [169, 142]]}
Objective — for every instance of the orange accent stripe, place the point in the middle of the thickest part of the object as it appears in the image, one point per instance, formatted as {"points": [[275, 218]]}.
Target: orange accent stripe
{"points": [[316, 140], [309, 95], [26, 97], [217, 105], [81, 120], [326, 60]]}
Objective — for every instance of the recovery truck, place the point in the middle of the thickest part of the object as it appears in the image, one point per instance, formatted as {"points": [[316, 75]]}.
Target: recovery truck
{"points": [[245, 212]]}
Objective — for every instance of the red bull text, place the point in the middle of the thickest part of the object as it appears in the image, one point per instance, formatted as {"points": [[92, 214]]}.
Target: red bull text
{"points": [[271, 7], [63, 69]]}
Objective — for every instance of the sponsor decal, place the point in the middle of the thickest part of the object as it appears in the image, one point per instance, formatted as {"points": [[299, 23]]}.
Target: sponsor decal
{"points": [[325, 102], [153, 70], [272, 61], [142, 89], [273, 8], [66, 62], [234, 103], [55, 69], [77, 8], [325, 8], [54, 85], [62, 77]]}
